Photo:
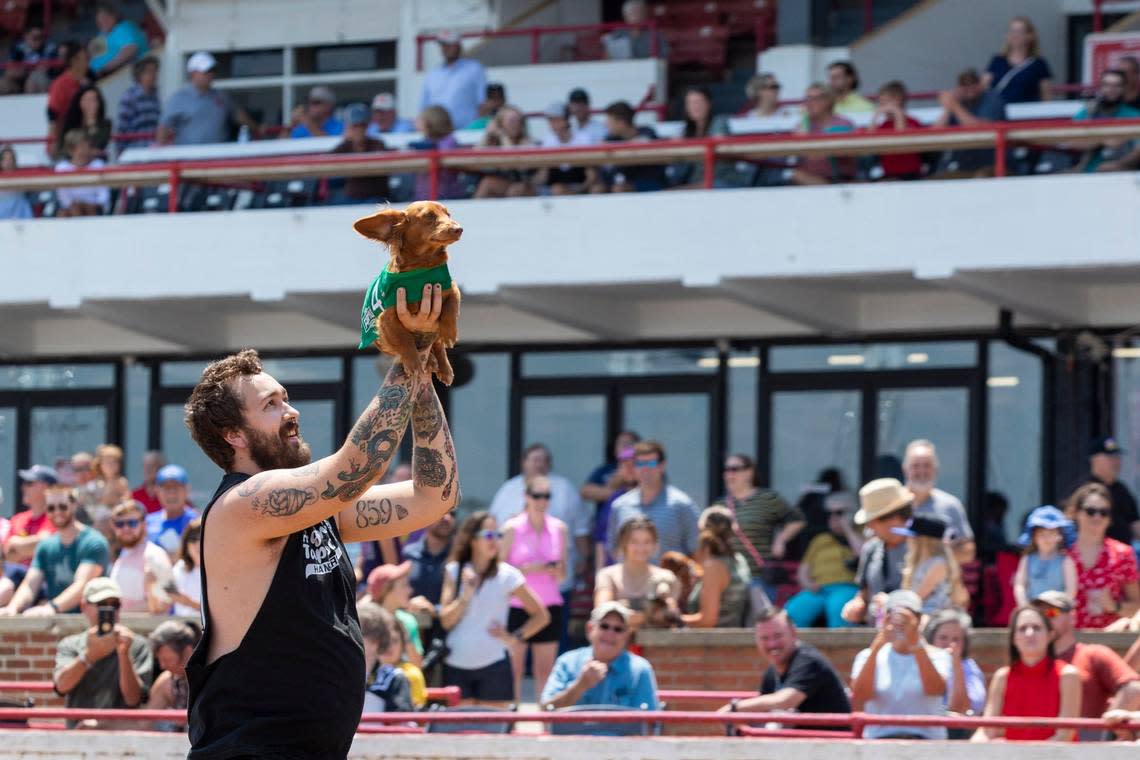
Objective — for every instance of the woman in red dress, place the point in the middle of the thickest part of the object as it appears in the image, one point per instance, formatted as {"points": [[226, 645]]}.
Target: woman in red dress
{"points": [[1107, 587], [1035, 683]]}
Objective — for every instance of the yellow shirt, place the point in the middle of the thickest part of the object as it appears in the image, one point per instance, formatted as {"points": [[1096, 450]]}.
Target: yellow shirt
{"points": [[853, 102], [416, 682], [829, 561]]}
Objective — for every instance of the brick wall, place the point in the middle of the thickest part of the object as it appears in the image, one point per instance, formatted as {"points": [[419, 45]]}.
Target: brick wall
{"points": [[727, 660], [28, 644]]}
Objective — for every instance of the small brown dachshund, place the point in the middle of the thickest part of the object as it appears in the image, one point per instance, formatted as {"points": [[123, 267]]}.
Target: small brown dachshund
{"points": [[417, 239]]}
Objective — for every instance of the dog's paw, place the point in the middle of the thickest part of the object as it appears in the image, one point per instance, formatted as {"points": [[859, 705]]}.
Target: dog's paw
{"points": [[446, 375]]}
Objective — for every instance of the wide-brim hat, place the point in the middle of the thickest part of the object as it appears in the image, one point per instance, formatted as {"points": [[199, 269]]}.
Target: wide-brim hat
{"points": [[881, 497], [1049, 517]]}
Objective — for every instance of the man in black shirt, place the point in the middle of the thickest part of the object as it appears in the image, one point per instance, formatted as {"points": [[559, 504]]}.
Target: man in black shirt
{"points": [[280, 668], [1104, 468], [798, 677]]}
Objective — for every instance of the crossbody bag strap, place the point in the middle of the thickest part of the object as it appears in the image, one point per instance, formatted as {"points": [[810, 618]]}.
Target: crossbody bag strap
{"points": [[739, 532]]}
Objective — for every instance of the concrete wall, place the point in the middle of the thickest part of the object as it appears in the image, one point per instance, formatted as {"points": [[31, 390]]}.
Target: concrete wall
{"points": [[927, 46]]}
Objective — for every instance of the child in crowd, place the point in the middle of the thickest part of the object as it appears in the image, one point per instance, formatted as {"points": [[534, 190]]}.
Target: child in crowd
{"points": [[1045, 565], [930, 569], [416, 681], [386, 687], [187, 586], [80, 201]]}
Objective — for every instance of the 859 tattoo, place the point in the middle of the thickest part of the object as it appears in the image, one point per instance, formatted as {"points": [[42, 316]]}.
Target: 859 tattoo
{"points": [[373, 512]]}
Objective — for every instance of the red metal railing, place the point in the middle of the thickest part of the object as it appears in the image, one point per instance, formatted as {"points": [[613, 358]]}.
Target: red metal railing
{"points": [[997, 135], [536, 32], [856, 721]]}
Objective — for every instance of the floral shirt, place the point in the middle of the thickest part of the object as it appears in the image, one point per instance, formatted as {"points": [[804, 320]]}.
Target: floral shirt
{"points": [[1115, 568]]}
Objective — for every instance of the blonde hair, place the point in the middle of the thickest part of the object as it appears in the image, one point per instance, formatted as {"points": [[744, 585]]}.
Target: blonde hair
{"points": [[72, 139], [437, 122], [106, 450], [130, 505], [1034, 49], [921, 548]]}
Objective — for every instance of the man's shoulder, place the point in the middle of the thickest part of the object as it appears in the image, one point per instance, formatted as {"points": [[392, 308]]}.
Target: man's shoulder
{"points": [[631, 498], [945, 499], [414, 550], [90, 535], [637, 664], [73, 642], [575, 658], [675, 495]]}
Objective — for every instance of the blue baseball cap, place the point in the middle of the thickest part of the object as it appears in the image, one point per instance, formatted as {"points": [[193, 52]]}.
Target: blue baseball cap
{"points": [[930, 526], [1107, 444], [39, 473], [357, 113], [172, 473], [1048, 517]]}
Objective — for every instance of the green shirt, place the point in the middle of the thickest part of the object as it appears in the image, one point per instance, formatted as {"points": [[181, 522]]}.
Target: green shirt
{"points": [[99, 687], [381, 295], [760, 516], [58, 563], [408, 620]]}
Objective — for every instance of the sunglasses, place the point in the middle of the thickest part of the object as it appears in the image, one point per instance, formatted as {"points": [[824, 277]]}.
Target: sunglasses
{"points": [[1095, 512], [736, 467], [110, 603], [127, 523], [645, 464], [490, 535], [540, 495], [837, 513], [772, 86], [610, 627], [58, 507], [1050, 612]]}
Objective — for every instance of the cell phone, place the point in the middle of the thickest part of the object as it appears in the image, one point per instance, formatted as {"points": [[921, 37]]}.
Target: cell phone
{"points": [[105, 623]]}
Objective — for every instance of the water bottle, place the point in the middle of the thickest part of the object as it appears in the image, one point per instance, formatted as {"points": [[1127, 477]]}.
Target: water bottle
{"points": [[243, 134]]}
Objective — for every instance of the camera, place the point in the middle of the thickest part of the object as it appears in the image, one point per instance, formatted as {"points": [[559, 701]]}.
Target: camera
{"points": [[105, 624]]}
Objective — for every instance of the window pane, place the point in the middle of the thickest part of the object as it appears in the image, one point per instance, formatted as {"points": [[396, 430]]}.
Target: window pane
{"points": [[60, 431], [686, 361], [180, 449], [680, 421], [479, 414], [875, 356], [813, 430], [321, 369], [572, 427], [318, 421], [1013, 432], [52, 376], [743, 378], [8, 432], [138, 420], [938, 414]]}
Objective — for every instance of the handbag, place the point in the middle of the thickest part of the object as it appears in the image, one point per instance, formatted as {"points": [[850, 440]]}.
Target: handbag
{"points": [[758, 597]]}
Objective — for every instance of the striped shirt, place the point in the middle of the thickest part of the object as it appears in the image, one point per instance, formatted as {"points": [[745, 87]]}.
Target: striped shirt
{"points": [[139, 111], [672, 512], [760, 516]]}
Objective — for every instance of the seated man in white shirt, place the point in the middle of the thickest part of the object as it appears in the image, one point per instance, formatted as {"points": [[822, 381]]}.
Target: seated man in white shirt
{"points": [[143, 568]]}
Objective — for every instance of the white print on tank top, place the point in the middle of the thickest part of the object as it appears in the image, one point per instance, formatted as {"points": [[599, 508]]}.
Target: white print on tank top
{"points": [[322, 550]]}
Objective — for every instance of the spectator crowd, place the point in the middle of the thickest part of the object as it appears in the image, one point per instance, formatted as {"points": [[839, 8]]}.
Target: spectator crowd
{"points": [[467, 603], [457, 101]]}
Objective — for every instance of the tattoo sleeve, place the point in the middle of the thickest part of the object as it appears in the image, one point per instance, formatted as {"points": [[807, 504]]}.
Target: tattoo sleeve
{"points": [[433, 458], [375, 437]]}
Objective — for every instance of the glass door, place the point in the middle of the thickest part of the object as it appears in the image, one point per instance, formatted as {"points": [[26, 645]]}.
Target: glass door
{"points": [[680, 421], [573, 427], [811, 431], [57, 432], [940, 415]]}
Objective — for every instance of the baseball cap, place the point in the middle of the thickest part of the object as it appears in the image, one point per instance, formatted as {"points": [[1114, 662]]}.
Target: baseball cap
{"points": [[610, 608], [172, 473], [1107, 444], [322, 94], [923, 525], [100, 590], [555, 111], [1052, 598], [201, 61], [380, 578], [384, 101], [903, 599], [39, 473], [356, 113], [447, 37], [578, 95]]}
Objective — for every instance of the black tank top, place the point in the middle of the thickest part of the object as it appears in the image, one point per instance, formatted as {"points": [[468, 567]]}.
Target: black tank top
{"points": [[294, 687]]}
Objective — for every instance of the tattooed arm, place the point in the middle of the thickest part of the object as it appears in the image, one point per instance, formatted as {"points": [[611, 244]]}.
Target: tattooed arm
{"points": [[277, 503], [396, 509]]}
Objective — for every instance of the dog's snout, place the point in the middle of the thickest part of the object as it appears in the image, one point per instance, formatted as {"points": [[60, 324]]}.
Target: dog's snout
{"points": [[457, 229]]}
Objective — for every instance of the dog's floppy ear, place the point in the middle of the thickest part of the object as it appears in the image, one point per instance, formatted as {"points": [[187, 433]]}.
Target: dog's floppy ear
{"points": [[382, 226]]}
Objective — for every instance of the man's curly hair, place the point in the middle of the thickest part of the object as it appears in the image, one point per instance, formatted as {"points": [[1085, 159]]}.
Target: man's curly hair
{"points": [[214, 406]]}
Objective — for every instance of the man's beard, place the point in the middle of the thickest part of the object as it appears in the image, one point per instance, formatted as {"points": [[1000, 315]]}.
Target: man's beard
{"points": [[271, 452], [135, 540]]}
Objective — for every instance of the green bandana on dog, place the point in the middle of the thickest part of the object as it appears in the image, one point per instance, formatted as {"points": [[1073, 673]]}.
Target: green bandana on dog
{"points": [[381, 295]]}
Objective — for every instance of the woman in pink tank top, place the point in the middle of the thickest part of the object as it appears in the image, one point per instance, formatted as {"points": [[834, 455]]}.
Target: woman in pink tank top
{"points": [[535, 543]]}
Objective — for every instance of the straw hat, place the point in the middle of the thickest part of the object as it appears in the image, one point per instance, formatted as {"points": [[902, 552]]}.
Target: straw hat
{"points": [[881, 497]]}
